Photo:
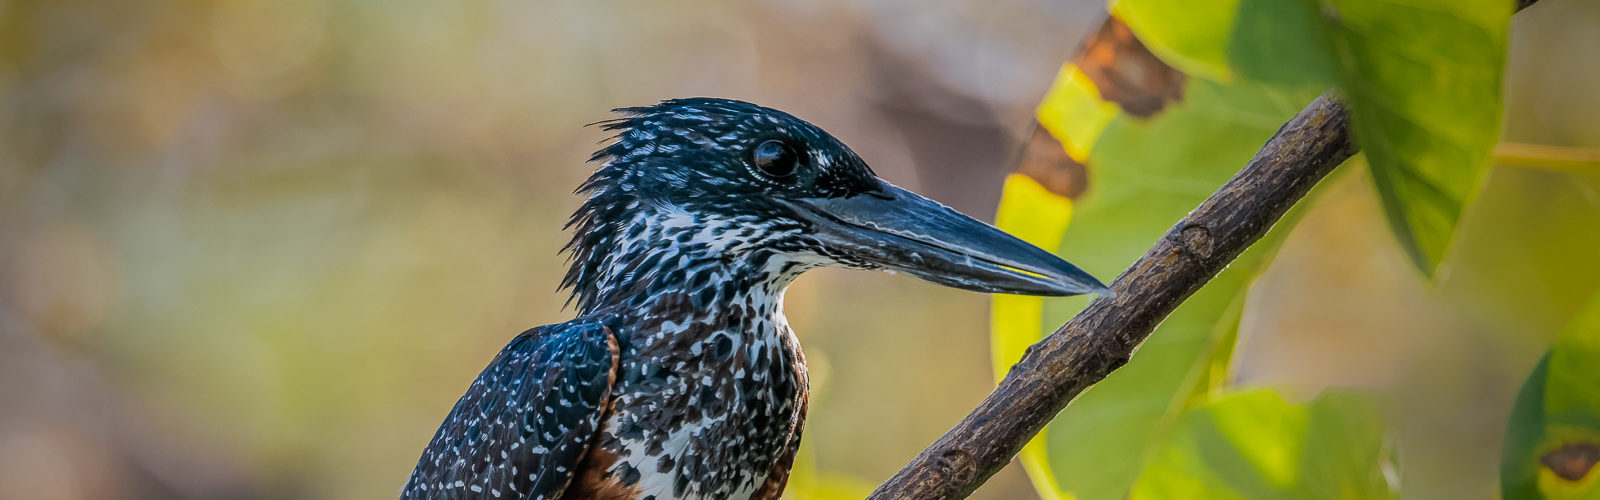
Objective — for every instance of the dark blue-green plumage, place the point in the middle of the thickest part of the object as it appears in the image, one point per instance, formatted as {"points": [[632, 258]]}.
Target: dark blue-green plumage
{"points": [[680, 377], [526, 421]]}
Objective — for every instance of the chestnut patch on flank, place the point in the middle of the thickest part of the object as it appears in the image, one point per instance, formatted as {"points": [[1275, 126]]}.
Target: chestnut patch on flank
{"points": [[592, 481]]}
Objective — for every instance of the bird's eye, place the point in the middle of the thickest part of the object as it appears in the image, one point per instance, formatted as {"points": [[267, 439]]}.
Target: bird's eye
{"points": [[774, 158]]}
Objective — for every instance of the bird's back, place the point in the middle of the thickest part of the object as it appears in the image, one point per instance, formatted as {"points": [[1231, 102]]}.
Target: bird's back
{"points": [[526, 422]]}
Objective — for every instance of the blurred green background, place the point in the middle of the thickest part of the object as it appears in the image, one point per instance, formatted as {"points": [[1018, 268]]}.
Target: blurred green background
{"points": [[257, 248]]}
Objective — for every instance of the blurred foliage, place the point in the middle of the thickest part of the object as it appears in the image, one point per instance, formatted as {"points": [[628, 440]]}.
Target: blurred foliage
{"points": [[1253, 444], [256, 249], [1032, 213], [1100, 443], [1405, 68], [1157, 138], [1553, 438]]}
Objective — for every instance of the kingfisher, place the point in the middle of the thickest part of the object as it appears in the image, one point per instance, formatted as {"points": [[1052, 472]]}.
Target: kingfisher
{"points": [[680, 377]]}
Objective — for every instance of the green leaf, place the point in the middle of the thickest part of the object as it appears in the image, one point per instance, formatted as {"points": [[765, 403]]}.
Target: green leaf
{"points": [[1145, 175], [1035, 215], [1103, 439], [1422, 78], [1423, 83], [1278, 42], [1553, 437], [1250, 65], [1254, 445]]}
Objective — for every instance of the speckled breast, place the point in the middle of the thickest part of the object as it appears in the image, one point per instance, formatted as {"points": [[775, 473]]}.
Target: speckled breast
{"points": [[703, 409]]}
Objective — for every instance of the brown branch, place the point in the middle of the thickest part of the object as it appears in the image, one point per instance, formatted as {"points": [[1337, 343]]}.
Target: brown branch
{"points": [[1102, 337]]}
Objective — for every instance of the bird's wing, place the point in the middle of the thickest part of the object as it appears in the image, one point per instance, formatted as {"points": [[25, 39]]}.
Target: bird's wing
{"points": [[526, 422]]}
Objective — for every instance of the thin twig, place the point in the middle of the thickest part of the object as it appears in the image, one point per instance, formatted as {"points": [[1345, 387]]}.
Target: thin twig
{"points": [[1554, 158]]}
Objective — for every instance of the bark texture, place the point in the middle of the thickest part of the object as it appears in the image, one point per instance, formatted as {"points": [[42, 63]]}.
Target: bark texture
{"points": [[1102, 337]]}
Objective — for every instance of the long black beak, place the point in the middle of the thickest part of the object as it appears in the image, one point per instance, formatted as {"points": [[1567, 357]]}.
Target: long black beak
{"points": [[899, 230]]}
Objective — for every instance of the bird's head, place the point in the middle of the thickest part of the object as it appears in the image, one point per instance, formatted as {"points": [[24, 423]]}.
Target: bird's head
{"points": [[740, 180]]}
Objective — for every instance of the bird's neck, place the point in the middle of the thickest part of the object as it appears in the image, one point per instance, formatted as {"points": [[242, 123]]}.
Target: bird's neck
{"points": [[708, 366], [682, 266]]}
